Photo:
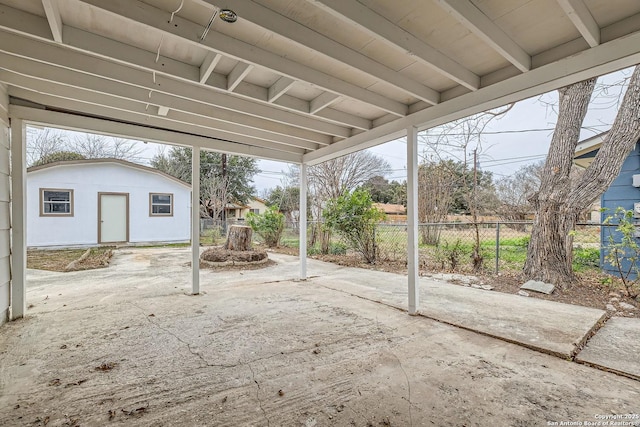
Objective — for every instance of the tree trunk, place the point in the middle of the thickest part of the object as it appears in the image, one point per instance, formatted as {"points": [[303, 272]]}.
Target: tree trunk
{"points": [[559, 201], [238, 238], [547, 258]]}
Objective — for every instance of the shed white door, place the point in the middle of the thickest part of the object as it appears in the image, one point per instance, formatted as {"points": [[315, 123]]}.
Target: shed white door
{"points": [[113, 217]]}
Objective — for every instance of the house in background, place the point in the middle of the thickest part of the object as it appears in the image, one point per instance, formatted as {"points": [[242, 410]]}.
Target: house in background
{"points": [[105, 201], [394, 212], [623, 192], [256, 206], [238, 211]]}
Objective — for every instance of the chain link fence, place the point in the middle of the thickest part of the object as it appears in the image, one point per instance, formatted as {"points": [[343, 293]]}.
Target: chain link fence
{"points": [[442, 246], [449, 246]]}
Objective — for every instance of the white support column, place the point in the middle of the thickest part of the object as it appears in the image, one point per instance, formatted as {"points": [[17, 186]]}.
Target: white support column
{"points": [[195, 220], [18, 220], [412, 219], [303, 222]]}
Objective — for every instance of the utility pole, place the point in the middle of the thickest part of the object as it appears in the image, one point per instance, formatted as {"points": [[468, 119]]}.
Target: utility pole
{"points": [[224, 182], [475, 182], [476, 256]]}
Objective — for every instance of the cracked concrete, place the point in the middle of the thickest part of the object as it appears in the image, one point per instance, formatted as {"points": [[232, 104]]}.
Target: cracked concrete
{"points": [[244, 354]]}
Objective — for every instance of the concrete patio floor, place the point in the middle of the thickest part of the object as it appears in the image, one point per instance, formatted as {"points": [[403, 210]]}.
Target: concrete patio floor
{"points": [[128, 345]]}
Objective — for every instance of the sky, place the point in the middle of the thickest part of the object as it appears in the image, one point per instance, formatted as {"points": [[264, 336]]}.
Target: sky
{"points": [[520, 137]]}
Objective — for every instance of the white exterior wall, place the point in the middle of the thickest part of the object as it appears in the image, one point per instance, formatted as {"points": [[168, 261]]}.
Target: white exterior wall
{"points": [[5, 198], [86, 181], [254, 204]]}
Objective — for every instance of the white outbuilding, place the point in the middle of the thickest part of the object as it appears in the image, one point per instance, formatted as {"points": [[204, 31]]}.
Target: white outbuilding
{"points": [[105, 201]]}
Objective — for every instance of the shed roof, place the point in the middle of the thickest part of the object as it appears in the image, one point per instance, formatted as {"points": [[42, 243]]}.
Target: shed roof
{"points": [[298, 80], [120, 162]]}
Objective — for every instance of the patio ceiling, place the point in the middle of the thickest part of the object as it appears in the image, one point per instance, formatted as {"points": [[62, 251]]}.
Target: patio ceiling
{"points": [[300, 80]]}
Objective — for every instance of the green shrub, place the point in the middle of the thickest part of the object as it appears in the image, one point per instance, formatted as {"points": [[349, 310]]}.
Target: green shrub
{"points": [[354, 217], [268, 225], [337, 248], [623, 252], [586, 258]]}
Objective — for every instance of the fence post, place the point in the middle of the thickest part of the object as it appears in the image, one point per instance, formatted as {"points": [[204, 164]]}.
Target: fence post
{"points": [[497, 247]]}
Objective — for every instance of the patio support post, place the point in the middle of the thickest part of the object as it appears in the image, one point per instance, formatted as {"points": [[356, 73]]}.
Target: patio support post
{"points": [[303, 222], [18, 219], [412, 218], [195, 220]]}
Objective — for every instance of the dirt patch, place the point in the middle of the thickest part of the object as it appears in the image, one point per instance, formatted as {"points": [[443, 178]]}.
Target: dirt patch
{"points": [[59, 260], [591, 289]]}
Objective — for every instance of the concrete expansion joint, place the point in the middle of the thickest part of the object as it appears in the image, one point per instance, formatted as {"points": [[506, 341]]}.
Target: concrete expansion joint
{"points": [[594, 330], [571, 357]]}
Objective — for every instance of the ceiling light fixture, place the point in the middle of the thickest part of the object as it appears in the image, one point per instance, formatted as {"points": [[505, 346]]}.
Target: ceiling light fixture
{"points": [[228, 15]]}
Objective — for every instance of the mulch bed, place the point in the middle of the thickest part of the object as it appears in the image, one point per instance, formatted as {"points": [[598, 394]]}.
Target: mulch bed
{"points": [[220, 259], [221, 255]]}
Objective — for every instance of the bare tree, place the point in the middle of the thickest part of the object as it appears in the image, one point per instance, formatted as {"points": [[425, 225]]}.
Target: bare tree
{"points": [[98, 146], [48, 142], [560, 200], [42, 143], [513, 192], [436, 181], [329, 180], [462, 140], [214, 198]]}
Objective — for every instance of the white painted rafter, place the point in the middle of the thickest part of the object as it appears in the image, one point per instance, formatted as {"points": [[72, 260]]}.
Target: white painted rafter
{"points": [[105, 105], [146, 119], [208, 65], [379, 26], [152, 17], [294, 31], [62, 57], [126, 130], [612, 56], [90, 89], [239, 72], [11, 19], [53, 16], [579, 14], [279, 88], [322, 101], [476, 21]]}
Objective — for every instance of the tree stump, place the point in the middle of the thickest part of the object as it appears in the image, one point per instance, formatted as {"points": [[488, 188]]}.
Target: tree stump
{"points": [[238, 238]]}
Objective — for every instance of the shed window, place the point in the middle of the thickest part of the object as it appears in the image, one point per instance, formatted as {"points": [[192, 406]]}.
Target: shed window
{"points": [[255, 211], [56, 202], [161, 204]]}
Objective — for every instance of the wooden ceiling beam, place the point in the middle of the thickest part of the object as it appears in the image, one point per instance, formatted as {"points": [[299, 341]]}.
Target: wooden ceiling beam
{"points": [[152, 17], [579, 14], [380, 27], [55, 19], [471, 17], [278, 24]]}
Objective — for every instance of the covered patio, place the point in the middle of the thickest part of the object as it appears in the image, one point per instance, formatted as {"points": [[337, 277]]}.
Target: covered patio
{"points": [[130, 345], [299, 81], [295, 81]]}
